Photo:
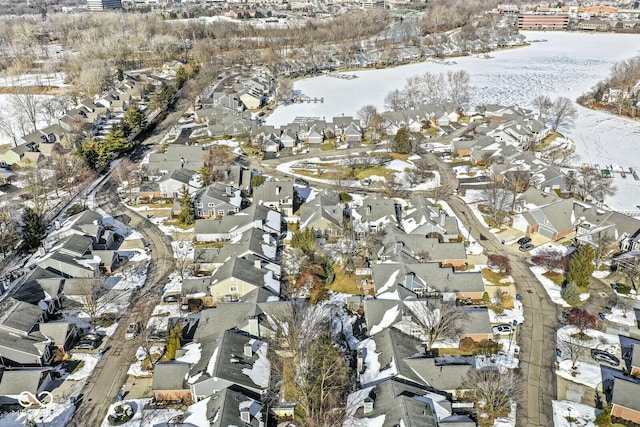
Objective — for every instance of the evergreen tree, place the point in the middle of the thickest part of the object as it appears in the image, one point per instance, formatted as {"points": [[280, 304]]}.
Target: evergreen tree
{"points": [[401, 142], [581, 266], [571, 294], [133, 119], [116, 140], [187, 215], [181, 77], [173, 342], [95, 153], [205, 176], [33, 229]]}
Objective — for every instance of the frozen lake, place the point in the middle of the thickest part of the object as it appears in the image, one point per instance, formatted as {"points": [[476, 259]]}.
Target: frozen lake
{"points": [[567, 64]]}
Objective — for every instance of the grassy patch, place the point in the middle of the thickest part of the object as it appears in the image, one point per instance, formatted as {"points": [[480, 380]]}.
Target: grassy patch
{"points": [[398, 156], [344, 283], [180, 225], [548, 140], [202, 245], [494, 277], [555, 277]]}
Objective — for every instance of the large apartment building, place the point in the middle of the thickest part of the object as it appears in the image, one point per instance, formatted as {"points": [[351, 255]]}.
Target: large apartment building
{"points": [[543, 22]]}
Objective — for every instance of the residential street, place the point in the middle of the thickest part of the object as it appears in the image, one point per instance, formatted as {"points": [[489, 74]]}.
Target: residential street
{"points": [[536, 336], [110, 374]]}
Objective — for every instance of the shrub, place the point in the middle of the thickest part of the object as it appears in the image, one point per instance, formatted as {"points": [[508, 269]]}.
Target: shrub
{"points": [[571, 294], [604, 418]]}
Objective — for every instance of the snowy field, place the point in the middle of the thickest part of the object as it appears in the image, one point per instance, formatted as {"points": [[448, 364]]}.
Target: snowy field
{"points": [[568, 64], [8, 114]]}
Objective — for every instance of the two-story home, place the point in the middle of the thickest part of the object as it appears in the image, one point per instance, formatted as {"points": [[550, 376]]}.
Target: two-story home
{"points": [[277, 195], [217, 200]]}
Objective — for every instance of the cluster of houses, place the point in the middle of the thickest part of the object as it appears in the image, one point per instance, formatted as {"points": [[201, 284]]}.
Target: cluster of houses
{"points": [[90, 116]]}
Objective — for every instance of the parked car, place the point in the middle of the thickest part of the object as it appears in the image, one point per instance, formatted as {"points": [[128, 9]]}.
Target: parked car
{"points": [[503, 329], [526, 247], [87, 345], [524, 240], [91, 336], [603, 356], [482, 178], [301, 181], [133, 330], [171, 298]]}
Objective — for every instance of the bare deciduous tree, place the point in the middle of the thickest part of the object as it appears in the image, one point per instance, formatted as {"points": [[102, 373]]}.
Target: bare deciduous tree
{"points": [[574, 347], [494, 391], [435, 319], [497, 202], [8, 230], [563, 112], [543, 104]]}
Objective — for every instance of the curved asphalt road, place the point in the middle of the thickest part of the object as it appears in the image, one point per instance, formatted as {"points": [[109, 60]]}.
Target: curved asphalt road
{"points": [[106, 380]]}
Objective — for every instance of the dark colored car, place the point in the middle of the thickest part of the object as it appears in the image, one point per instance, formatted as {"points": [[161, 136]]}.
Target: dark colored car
{"points": [[524, 240], [526, 247], [87, 345], [603, 356]]}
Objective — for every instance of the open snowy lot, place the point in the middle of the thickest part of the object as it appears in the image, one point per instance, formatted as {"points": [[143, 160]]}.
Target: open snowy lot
{"points": [[568, 64]]}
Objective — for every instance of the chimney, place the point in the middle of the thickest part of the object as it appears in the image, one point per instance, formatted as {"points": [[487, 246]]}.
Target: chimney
{"points": [[397, 248], [245, 415], [254, 326], [443, 217], [257, 224], [182, 161], [248, 350], [408, 281], [278, 188], [257, 263], [368, 405], [41, 251], [359, 363], [368, 209], [57, 224], [266, 238]]}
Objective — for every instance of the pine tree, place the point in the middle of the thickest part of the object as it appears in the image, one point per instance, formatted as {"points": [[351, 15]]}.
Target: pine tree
{"points": [[187, 215], [581, 266], [571, 294], [401, 143], [133, 119], [33, 229], [173, 342]]}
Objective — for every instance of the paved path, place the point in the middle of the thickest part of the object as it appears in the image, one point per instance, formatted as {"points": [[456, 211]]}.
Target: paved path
{"points": [[536, 336], [110, 374]]}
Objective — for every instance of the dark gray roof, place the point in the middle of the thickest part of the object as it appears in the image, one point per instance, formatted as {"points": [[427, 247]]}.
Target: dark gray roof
{"points": [[196, 285], [15, 381], [254, 214], [38, 285], [440, 377], [268, 191], [251, 243], [18, 315], [397, 401], [182, 175], [402, 247], [477, 322], [170, 376], [240, 269], [625, 393], [224, 408], [387, 277], [57, 332], [635, 355], [76, 244], [375, 310], [397, 347]]}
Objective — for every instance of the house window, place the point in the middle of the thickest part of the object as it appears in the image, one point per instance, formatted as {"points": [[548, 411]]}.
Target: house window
{"points": [[233, 289], [220, 212], [212, 205], [200, 213]]}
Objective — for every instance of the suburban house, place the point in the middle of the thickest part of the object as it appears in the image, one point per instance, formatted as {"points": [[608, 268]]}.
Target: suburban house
{"points": [[172, 184], [374, 215], [16, 381], [624, 400], [237, 277], [254, 245], [237, 359], [217, 200], [325, 214], [169, 382], [553, 221], [423, 218], [411, 248], [21, 342], [277, 195], [400, 280], [230, 226], [232, 406]]}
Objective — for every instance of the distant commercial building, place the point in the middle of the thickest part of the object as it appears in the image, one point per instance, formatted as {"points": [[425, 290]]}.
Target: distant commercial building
{"points": [[543, 22], [100, 5]]}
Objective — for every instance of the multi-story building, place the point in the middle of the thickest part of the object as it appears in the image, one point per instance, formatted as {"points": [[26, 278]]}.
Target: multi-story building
{"points": [[100, 5], [543, 22]]}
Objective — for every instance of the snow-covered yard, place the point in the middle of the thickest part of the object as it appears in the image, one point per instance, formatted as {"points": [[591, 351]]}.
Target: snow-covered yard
{"points": [[54, 415], [586, 373], [572, 414]]}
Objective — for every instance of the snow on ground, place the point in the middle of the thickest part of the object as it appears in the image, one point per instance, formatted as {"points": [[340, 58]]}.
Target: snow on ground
{"points": [[182, 249], [568, 64], [599, 340], [474, 247], [132, 276], [174, 285], [505, 359], [572, 414], [90, 362], [473, 198], [586, 373], [554, 291], [508, 315], [341, 323], [52, 79], [509, 420], [159, 320], [54, 415], [622, 316], [137, 420], [9, 114], [601, 274]]}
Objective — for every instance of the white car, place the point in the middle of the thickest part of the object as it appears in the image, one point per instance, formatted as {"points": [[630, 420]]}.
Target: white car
{"points": [[133, 330], [503, 329]]}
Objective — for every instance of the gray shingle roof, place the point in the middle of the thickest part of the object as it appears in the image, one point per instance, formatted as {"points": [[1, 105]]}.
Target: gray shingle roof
{"points": [[170, 376], [19, 315], [625, 393]]}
